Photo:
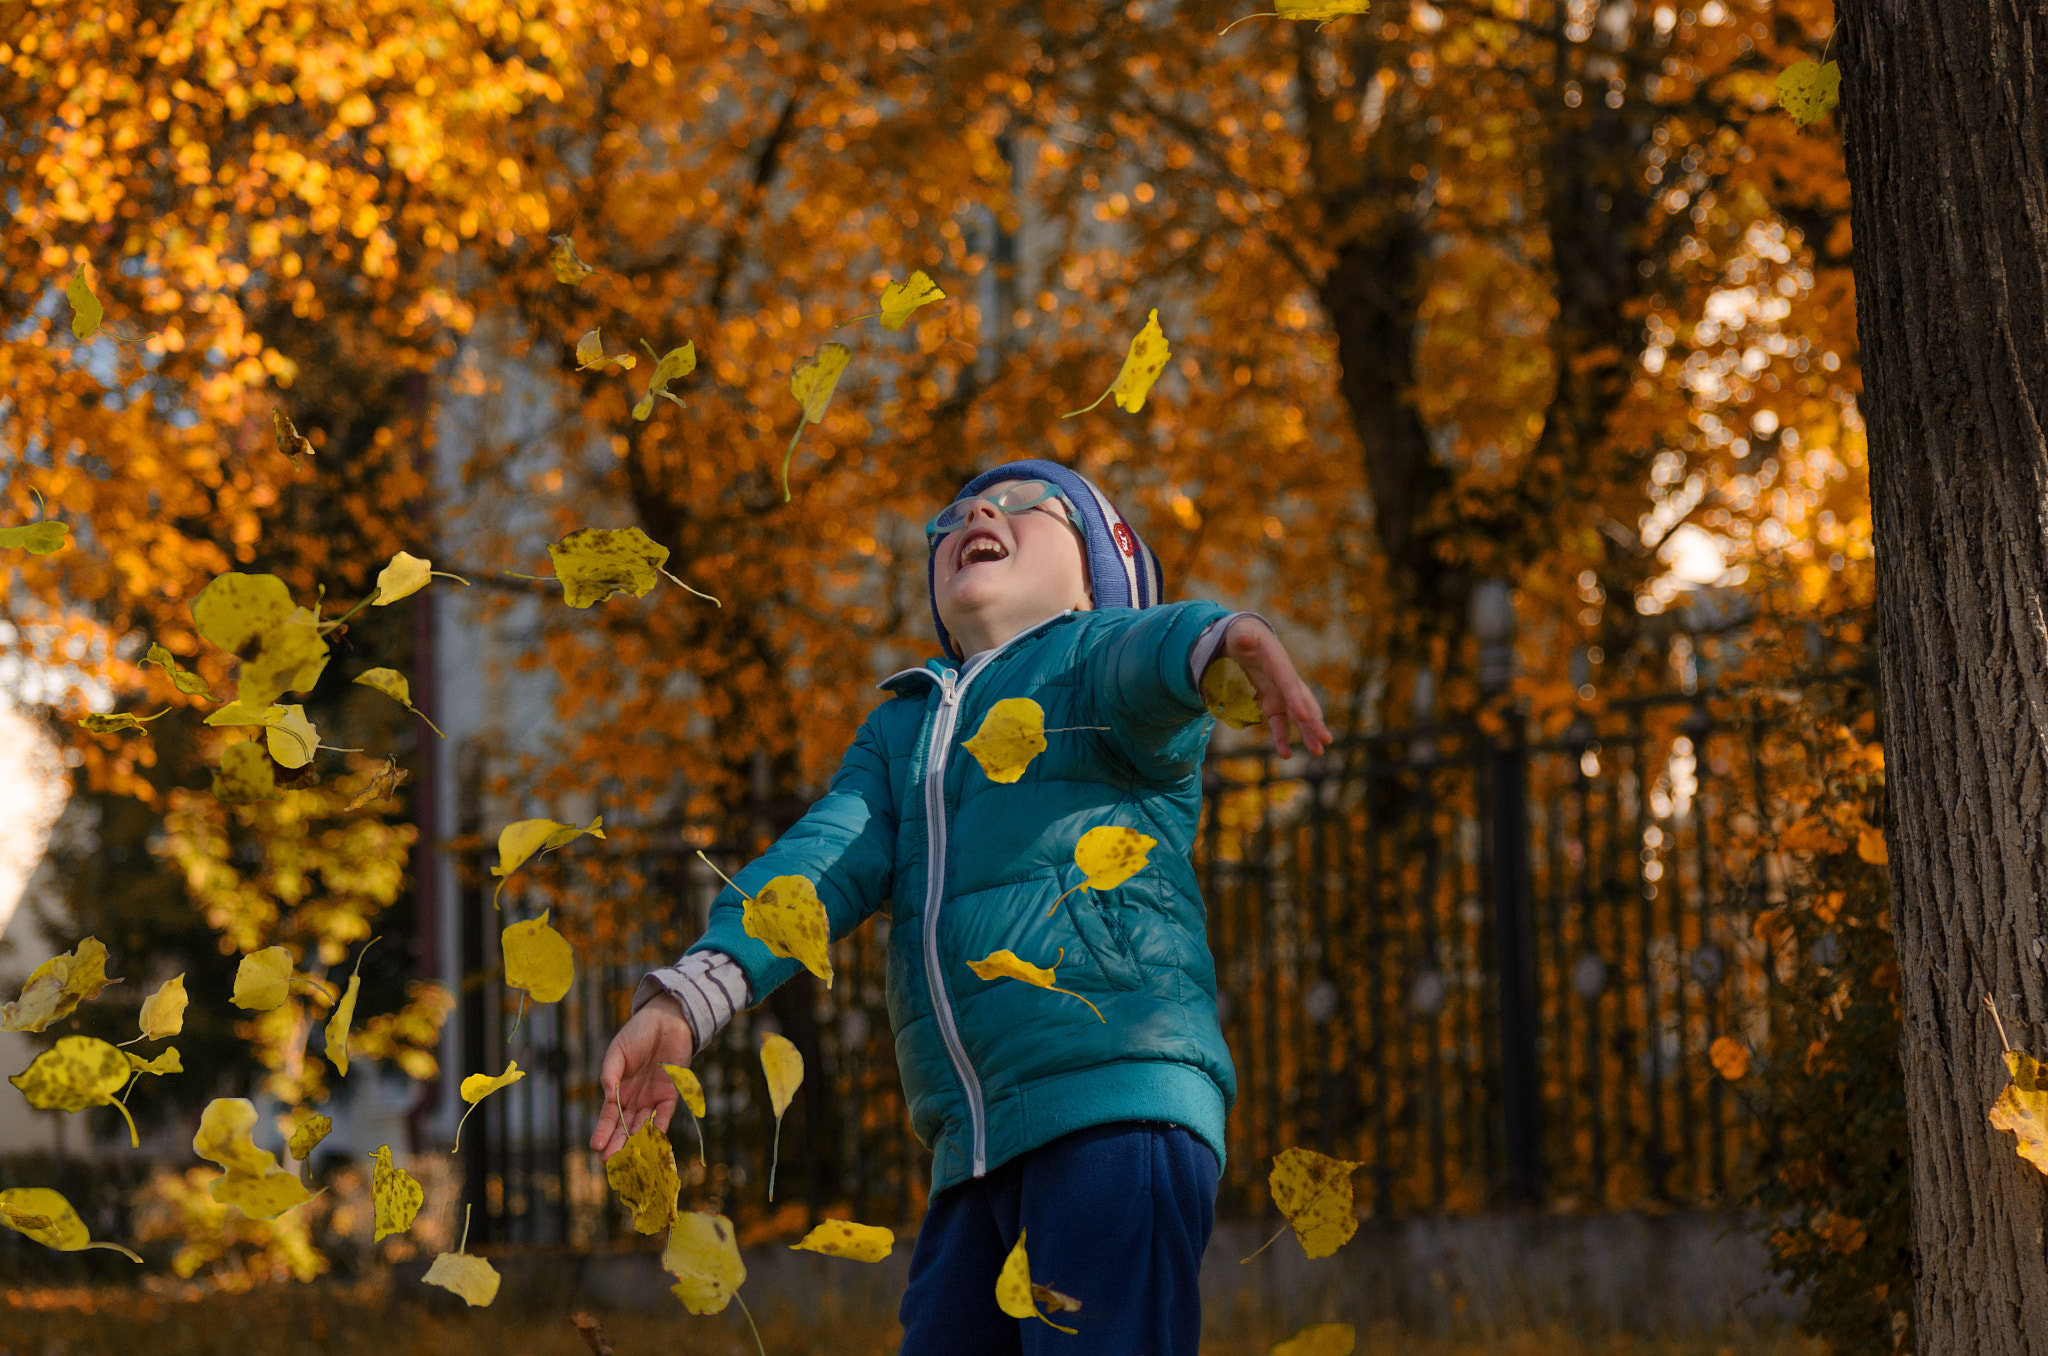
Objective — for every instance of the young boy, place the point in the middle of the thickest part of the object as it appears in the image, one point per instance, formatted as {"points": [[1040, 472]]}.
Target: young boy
{"points": [[1101, 1139]]}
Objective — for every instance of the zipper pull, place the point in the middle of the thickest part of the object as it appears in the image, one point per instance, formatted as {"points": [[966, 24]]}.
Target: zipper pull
{"points": [[947, 689]]}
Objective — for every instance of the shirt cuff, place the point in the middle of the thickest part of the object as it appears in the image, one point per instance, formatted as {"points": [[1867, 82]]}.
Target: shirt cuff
{"points": [[709, 985], [1211, 640]]}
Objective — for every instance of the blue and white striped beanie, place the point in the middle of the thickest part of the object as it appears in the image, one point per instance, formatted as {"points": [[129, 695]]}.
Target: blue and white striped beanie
{"points": [[1122, 571]]}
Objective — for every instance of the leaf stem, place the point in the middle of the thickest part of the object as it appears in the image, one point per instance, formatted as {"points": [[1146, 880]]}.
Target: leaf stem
{"points": [[1992, 1003], [1056, 903], [750, 1323], [722, 876], [1265, 1245], [686, 588], [774, 1158], [787, 454], [1091, 1007]]}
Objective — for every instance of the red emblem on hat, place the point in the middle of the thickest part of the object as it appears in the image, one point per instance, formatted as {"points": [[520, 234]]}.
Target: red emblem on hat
{"points": [[1125, 542]]}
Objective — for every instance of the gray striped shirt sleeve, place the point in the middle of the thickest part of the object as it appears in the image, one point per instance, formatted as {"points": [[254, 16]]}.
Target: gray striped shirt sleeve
{"points": [[709, 985], [1211, 640]]}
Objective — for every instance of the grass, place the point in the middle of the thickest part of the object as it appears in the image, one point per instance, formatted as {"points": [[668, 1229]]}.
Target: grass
{"points": [[375, 1318]]}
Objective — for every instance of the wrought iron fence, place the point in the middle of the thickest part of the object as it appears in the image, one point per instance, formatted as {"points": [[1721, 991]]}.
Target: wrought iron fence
{"points": [[1488, 970]]}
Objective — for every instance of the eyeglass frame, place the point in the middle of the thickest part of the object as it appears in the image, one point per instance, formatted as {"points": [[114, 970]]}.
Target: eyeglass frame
{"points": [[933, 535]]}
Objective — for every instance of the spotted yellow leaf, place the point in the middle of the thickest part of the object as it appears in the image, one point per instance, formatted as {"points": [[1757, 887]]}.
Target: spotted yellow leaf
{"points": [[1809, 91], [86, 311], [246, 775], [692, 1094], [115, 722], [166, 1063], [900, 300], [264, 1197], [1013, 1286], [1314, 1192], [1011, 735], [395, 1196], [287, 658], [677, 362], [2022, 1107], [568, 265], [590, 354], [597, 562], [45, 1216], [57, 986], [1319, 1339], [38, 539], [290, 441], [643, 1172], [291, 738], [844, 1238], [263, 979], [1230, 696], [538, 960], [1316, 10], [236, 608], [306, 1136], [1142, 366], [345, 1014], [191, 684], [224, 1138], [76, 1073], [522, 838], [1108, 855], [393, 684], [163, 1012], [704, 1256], [403, 576], [784, 1065], [812, 381], [1007, 965], [787, 917], [478, 1086]]}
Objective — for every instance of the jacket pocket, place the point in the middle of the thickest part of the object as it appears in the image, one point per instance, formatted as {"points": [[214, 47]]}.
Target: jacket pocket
{"points": [[1100, 925]]}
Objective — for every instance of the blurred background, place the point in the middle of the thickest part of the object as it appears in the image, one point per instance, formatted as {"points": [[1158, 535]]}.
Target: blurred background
{"points": [[1514, 377]]}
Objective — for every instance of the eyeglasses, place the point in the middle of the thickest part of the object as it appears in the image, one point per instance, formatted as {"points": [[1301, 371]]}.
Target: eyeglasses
{"points": [[1013, 498]]}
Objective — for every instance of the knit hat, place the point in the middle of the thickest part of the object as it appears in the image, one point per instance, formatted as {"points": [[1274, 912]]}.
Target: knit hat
{"points": [[1122, 571]]}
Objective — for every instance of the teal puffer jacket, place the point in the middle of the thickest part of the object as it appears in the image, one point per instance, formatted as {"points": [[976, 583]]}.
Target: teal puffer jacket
{"points": [[966, 866]]}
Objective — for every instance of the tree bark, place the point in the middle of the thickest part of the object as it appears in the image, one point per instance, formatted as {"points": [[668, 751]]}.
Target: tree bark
{"points": [[1943, 114]]}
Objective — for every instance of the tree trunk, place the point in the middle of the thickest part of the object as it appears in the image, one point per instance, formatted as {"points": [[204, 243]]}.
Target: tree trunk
{"points": [[1943, 115]]}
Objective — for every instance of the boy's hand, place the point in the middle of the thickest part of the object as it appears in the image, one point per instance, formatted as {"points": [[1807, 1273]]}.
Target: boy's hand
{"points": [[635, 1086], [1283, 697]]}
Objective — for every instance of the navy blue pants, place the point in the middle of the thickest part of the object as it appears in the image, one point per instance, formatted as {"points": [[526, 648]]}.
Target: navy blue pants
{"points": [[1116, 1216]]}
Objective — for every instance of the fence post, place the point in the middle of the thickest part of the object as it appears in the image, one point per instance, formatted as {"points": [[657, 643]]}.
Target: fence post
{"points": [[1493, 624]]}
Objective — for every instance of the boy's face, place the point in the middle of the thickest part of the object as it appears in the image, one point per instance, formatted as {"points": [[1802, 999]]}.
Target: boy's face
{"points": [[1001, 572]]}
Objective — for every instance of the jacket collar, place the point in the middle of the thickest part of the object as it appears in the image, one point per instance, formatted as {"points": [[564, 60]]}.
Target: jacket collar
{"points": [[903, 680]]}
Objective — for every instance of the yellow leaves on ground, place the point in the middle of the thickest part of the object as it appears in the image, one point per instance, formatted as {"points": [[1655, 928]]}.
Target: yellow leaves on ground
{"points": [[76, 1073], [1142, 366], [402, 577], [290, 739], [307, 1135], [1229, 695], [345, 1015], [166, 1063], [569, 266], [1314, 1191], [789, 919], [45, 1216], [457, 1272], [1013, 1287], [644, 1174], [163, 1012], [38, 539], [522, 838], [902, 300], [677, 362], [844, 1238], [57, 986], [1006, 965], [1108, 855], [1730, 1058], [191, 684], [395, 1196], [590, 353], [538, 959], [1319, 1339], [263, 979], [252, 1181], [1809, 91], [594, 563], [1011, 735], [478, 1086], [704, 1256], [393, 684], [2022, 1107], [290, 441], [1315, 10], [784, 1065], [246, 775], [86, 311], [812, 382]]}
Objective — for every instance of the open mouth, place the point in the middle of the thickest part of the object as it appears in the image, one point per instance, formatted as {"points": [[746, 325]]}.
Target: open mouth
{"points": [[981, 546]]}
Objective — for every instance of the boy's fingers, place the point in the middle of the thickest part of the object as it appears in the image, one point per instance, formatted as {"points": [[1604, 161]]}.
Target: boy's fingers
{"points": [[601, 1137]]}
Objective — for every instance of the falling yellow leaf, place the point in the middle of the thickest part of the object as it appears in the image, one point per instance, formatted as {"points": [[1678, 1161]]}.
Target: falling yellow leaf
{"points": [[1108, 855], [306, 1136], [45, 1216], [812, 381], [538, 959], [2022, 1107], [38, 539], [393, 684], [385, 781], [1230, 696], [1007, 965], [395, 1196], [596, 562], [901, 300], [569, 266], [687, 1087], [163, 1012], [1320, 1339], [1054, 1300], [1314, 1192], [76, 1073], [643, 1172], [191, 684], [1809, 91], [345, 1014], [246, 775], [1730, 1058], [291, 738], [264, 1197], [114, 723], [788, 918], [1011, 735], [263, 979], [677, 362], [290, 441], [1323, 10], [470, 1277], [844, 1238], [1013, 1287], [57, 986], [287, 658], [166, 1063], [784, 1065], [402, 577], [1142, 366], [1870, 847], [478, 1086], [519, 840], [86, 311], [704, 1257], [224, 1138], [236, 608], [590, 354]]}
